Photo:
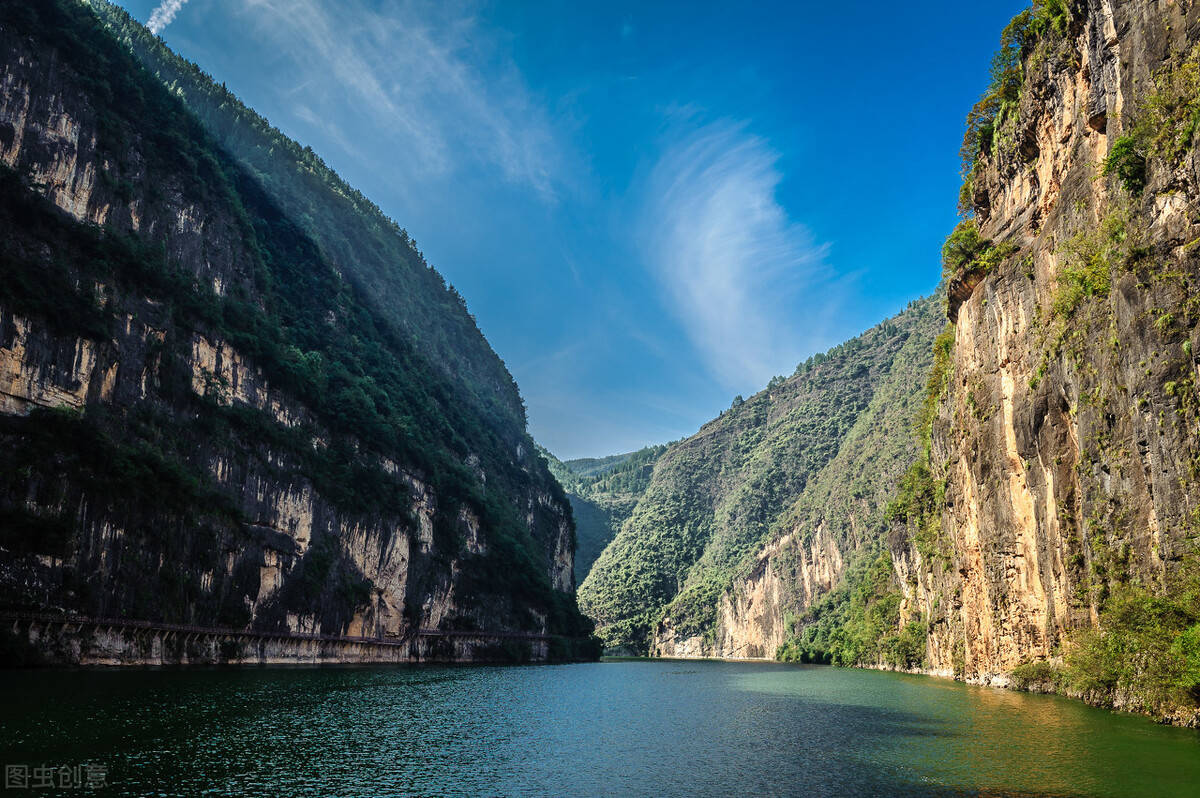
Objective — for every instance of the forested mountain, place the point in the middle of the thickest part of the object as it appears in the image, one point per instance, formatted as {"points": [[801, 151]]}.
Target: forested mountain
{"points": [[233, 394], [603, 492], [716, 497], [595, 466], [374, 252]]}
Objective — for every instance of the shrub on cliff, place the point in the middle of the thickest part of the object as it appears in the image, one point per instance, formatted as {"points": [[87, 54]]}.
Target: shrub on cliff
{"points": [[961, 248], [1170, 115], [1127, 161], [1044, 21], [1089, 258], [1163, 126], [1146, 653], [966, 251]]}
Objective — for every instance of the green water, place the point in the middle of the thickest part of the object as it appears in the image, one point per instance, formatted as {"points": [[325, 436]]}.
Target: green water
{"points": [[613, 728]]}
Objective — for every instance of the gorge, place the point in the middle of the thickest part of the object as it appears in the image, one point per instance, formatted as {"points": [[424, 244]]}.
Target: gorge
{"points": [[244, 421]]}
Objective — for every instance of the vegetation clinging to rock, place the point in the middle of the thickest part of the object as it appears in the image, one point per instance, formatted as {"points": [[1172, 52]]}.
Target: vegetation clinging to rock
{"points": [[1145, 654], [1044, 21], [967, 252]]}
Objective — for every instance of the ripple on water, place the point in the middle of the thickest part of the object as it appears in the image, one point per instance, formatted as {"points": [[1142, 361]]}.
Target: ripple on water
{"points": [[630, 727]]}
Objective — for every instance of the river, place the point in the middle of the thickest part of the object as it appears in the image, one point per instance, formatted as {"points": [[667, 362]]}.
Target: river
{"points": [[668, 728]]}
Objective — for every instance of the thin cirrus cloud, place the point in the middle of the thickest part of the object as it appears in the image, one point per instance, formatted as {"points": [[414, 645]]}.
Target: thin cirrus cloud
{"points": [[732, 265], [435, 85], [163, 15]]}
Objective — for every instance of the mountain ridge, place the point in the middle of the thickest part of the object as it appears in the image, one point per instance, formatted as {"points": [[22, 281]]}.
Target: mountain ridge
{"points": [[714, 496], [323, 474]]}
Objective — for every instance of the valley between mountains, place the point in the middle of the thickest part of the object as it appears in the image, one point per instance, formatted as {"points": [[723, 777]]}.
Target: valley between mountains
{"points": [[243, 420]]}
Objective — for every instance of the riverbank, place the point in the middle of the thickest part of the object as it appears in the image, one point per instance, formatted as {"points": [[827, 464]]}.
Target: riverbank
{"points": [[1053, 683], [1183, 717], [50, 640]]}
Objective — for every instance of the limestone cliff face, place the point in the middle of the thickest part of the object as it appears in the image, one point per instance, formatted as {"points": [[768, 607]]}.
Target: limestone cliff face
{"points": [[836, 516], [243, 504], [755, 615], [1068, 434]]}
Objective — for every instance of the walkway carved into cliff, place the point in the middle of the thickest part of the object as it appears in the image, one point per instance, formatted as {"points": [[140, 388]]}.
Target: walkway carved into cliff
{"points": [[415, 646]]}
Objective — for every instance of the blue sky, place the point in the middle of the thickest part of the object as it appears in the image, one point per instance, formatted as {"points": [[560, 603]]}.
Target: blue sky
{"points": [[649, 207]]}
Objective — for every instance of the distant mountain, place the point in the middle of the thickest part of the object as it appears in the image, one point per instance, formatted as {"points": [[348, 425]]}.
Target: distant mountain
{"points": [[593, 466], [603, 492], [715, 498]]}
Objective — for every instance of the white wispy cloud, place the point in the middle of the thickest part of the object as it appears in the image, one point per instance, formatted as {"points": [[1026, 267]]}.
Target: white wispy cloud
{"points": [[162, 16], [436, 85], [733, 266]]}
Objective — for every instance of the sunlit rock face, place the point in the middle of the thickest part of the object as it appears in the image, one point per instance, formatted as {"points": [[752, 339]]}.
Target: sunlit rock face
{"points": [[1067, 438], [1068, 435], [178, 478]]}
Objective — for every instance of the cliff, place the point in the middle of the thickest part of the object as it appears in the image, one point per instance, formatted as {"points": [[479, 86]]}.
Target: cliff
{"points": [[1045, 535], [1067, 434], [1011, 502], [208, 418]]}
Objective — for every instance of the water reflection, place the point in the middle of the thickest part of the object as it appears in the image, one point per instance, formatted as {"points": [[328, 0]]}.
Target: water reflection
{"points": [[642, 728], [979, 738]]}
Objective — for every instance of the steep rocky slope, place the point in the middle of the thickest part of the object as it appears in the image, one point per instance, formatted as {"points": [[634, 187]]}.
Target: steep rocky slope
{"points": [[206, 417], [837, 524], [1067, 438], [715, 497], [371, 250]]}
